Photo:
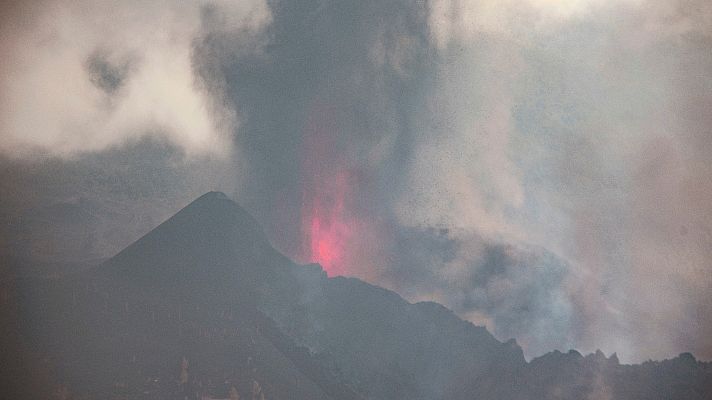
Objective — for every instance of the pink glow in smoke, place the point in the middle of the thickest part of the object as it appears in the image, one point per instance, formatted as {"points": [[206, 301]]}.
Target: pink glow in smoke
{"points": [[327, 187], [338, 232], [329, 230]]}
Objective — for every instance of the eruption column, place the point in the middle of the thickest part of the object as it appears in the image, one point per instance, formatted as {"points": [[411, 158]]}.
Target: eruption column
{"points": [[325, 221]]}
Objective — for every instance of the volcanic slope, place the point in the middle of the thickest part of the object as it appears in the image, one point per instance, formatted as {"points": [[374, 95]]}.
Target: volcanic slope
{"points": [[204, 305]]}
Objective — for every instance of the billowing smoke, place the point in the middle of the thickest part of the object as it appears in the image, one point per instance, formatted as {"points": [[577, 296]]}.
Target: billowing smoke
{"points": [[85, 76], [539, 167]]}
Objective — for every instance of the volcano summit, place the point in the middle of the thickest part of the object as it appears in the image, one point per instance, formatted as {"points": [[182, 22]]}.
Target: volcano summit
{"points": [[204, 307]]}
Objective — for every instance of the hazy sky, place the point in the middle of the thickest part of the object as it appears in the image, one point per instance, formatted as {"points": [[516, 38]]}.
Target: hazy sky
{"points": [[540, 167]]}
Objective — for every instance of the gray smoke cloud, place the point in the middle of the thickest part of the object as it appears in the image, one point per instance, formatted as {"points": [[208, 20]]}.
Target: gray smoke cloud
{"points": [[539, 167], [516, 291]]}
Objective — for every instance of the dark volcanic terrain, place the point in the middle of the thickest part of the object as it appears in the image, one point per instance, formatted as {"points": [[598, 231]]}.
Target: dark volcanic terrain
{"points": [[204, 307]]}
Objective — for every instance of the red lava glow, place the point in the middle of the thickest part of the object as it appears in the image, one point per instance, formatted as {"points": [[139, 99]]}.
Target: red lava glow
{"points": [[326, 224], [328, 229]]}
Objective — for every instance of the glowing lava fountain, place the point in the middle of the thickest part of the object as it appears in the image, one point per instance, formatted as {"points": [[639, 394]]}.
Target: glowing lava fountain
{"points": [[328, 229], [327, 226]]}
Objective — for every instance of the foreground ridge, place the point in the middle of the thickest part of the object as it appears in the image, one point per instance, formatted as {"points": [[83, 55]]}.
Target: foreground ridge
{"points": [[204, 307]]}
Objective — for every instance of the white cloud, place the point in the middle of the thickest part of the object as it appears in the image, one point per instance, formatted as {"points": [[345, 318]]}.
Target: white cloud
{"points": [[50, 101], [465, 19]]}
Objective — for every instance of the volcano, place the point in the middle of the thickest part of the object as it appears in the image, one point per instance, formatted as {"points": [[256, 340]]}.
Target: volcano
{"points": [[204, 307]]}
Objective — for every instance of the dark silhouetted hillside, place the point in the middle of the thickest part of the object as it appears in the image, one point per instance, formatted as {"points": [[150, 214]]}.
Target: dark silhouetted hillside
{"points": [[203, 305]]}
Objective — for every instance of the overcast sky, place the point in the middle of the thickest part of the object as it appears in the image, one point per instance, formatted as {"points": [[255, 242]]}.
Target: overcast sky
{"points": [[541, 167]]}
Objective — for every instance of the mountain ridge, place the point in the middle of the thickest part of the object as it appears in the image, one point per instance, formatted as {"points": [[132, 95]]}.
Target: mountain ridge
{"points": [[206, 285]]}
